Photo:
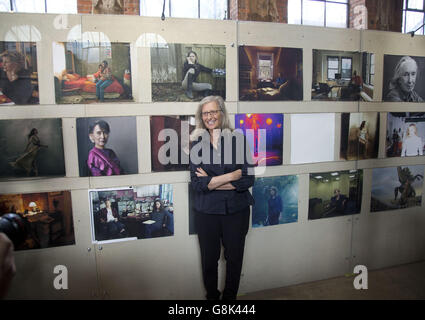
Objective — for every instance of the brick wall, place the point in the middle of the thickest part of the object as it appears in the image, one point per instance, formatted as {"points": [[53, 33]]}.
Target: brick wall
{"points": [[256, 10], [131, 7], [84, 6]]}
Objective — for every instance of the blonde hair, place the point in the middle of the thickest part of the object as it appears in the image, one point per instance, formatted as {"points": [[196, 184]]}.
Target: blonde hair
{"points": [[200, 126], [408, 129]]}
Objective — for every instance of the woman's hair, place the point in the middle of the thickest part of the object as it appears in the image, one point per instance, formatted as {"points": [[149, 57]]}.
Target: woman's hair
{"points": [[32, 132], [105, 62], [14, 57], [398, 71], [408, 131], [188, 54], [102, 125], [200, 126], [362, 125], [161, 205], [274, 189]]}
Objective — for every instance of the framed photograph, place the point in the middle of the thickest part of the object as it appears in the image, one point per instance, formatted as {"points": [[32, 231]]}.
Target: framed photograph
{"points": [[264, 133], [187, 72], [405, 134], [359, 135], [31, 148], [132, 213], [47, 218], [335, 194], [270, 73], [107, 146], [276, 201], [92, 71], [18, 73], [396, 187], [404, 78]]}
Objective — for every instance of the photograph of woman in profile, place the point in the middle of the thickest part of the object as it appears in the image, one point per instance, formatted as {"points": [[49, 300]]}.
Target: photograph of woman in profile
{"points": [[191, 71], [221, 196], [412, 144], [102, 161], [363, 136], [403, 82], [28, 160]]}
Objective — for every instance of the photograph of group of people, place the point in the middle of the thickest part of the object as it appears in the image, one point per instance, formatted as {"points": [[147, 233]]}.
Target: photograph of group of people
{"points": [[18, 73], [396, 187], [187, 72], [342, 75], [31, 148], [405, 134], [359, 135], [92, 71], [136, 212], [335, 193], [46, 218], [270, 73]]}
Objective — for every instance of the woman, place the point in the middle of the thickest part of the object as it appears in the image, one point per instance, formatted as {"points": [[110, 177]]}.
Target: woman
{"points": [[159, 215], [403, 83], [275, 207], [191, 71], [27, 161], [221, 196], [363, 137], [105, 80], [102, 161], [412, 144], [110, 218], [15, 81]]}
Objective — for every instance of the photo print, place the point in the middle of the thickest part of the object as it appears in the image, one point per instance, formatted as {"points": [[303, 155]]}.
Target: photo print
{"points": [[266, 137], [342, 76], [276, 201], [335, 194], [170, 145], [132, 213], [31, 148], [404, 78], [405, 134], [47, 218], [396, 187], [107, 146], [270, 73], [18, 73], [312, 137], [92, 71], [359, 135], [187, 72]]}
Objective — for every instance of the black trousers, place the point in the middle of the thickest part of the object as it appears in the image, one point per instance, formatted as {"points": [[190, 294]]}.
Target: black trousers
{"points": [[230, 230]]}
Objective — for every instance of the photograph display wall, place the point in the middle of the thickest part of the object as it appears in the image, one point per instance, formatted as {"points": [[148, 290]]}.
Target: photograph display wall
{"points": [[47, 218], [396, 187], [334, 194], [359, 135], [266, 136], [31, 148], [132, 213], [92, 71], [107, 146], [405, 134], [187, 72], [404, 78], [270, 73], [18, 73]]}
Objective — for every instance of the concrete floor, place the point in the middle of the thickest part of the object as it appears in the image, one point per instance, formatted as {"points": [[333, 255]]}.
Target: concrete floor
{"points": [[401, 282]]}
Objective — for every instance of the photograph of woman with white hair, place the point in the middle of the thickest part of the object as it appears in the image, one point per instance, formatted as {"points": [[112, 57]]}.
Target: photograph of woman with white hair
{"points": [[412, 144], [402, 84]]}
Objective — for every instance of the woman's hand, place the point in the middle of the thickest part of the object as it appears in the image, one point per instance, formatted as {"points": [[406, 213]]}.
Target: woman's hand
{"points": [[200, 173], [236, 175]]}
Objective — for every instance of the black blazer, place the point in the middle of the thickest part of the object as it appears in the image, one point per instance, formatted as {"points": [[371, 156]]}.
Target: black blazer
{"points": [[222, 201]]}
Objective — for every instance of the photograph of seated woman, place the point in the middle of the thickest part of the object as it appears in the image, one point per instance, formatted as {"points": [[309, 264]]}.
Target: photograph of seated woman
{"points": [[402, 84], [101, 160], [110, 225], [191, 70], [105, 80], [15, 80], [161, 216], [221, 197], [412, 145]]}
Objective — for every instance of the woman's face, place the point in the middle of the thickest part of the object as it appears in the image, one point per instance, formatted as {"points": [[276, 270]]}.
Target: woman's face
{"points": [[407, 78], [211, 115], [192, 57], [157, 204], [9, 66], [99, 137], [412, 131]]}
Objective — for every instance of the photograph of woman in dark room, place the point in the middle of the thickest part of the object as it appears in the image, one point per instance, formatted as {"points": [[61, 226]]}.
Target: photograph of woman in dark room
{"points": [[191, 71], [28, 160], [363, 136], [102, 161], [221, 197], [160, 216], [15, 80]]}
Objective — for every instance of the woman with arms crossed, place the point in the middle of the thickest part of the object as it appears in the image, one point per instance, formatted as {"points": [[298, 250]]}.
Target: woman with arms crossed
{"points": [[221, 196]]}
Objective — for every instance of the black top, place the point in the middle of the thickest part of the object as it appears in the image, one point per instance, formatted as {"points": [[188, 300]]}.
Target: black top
{"points": [[20, 90], [222, 201], [198, 68]]}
